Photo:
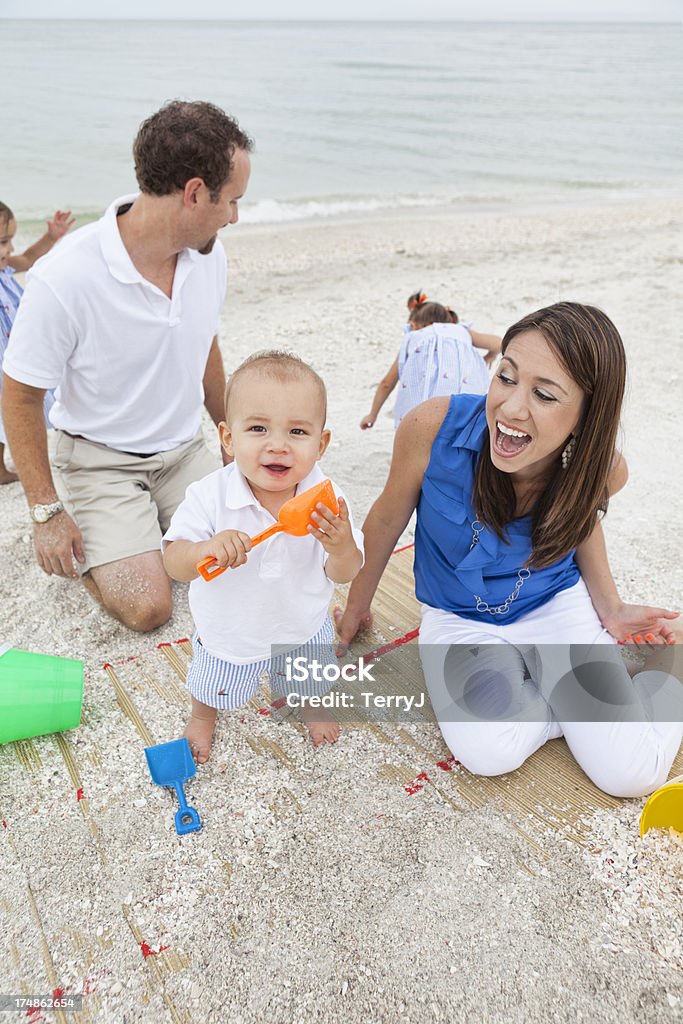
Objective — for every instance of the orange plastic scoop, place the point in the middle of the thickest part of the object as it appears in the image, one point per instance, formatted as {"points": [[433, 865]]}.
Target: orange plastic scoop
{"points": [[294, 517]]}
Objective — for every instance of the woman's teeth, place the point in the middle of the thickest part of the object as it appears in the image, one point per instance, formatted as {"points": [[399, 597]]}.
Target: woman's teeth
{"points": [[510, 441], [510, 432]]}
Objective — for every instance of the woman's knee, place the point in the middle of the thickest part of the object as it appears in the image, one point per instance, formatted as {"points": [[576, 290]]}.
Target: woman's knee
{"points": [[492, 748], [630, 760], [628, 780]]}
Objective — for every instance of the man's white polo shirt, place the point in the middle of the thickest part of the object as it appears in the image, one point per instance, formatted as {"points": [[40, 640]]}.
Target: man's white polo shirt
{"points": [[280, 596], [127, 361]]}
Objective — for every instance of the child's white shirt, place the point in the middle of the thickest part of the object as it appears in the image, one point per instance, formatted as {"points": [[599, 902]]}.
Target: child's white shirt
{"points": [[280, 596]]}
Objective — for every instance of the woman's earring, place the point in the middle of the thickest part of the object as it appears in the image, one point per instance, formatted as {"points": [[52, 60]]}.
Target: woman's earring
{"points": [[568, 452]]}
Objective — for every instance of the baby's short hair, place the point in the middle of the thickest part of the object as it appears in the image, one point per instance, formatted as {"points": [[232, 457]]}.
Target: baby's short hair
{"points": [[281, 366]]}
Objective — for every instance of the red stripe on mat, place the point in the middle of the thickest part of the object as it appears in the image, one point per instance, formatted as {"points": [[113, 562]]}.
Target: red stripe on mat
{"points": [[398, 642]]}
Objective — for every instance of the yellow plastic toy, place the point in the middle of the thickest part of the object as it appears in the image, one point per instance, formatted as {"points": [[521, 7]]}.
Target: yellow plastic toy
{"points": [[664, 808]]}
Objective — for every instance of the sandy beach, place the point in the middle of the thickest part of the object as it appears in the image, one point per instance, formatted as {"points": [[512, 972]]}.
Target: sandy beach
{"points": [[372, 905]]}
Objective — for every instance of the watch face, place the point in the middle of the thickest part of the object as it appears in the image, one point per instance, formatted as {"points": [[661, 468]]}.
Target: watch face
{"points": [[41, 514]]}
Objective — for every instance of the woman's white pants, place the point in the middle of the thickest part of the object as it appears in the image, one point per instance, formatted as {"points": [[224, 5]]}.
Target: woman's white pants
{"points": [[500, 691]]}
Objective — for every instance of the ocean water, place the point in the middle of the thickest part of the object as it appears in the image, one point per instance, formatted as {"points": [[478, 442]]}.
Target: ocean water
{"points": [[349, 116]]}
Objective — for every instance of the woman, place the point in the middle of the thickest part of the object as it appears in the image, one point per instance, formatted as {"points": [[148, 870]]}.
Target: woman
{"points": [[511, 567]]}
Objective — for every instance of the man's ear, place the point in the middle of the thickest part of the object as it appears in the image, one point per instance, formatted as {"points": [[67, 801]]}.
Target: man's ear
{"points": [[324, 441], [191, 190], [225, 435]]}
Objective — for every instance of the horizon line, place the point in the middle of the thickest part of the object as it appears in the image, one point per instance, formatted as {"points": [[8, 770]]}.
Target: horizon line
{"points": [[378, 21]]}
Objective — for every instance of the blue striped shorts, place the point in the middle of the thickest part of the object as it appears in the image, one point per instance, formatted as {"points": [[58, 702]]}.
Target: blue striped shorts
{"points": [[224, 685]]}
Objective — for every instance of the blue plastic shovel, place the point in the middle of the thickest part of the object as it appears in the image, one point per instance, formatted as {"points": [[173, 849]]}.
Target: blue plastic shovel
{"points": [[171, 764]]}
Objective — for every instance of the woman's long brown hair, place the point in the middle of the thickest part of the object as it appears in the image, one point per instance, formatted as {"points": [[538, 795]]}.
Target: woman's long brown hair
{"points": [[589, 347]]}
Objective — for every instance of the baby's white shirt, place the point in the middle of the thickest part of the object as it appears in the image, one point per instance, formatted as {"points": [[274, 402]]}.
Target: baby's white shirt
{"points": [[280, 596]]}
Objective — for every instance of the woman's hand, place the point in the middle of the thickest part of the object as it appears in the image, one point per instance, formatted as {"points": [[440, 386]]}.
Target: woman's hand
{"points": [[640, 625], [367, 422], [349, 623]]}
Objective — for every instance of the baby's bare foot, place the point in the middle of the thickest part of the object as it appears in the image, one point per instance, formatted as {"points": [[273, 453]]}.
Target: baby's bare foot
{"points": [[199, 731], [322, 728], [7, 477]]}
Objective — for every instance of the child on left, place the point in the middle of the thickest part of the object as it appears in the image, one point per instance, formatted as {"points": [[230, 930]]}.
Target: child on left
{"points": [[11, 291], [277, 593]]}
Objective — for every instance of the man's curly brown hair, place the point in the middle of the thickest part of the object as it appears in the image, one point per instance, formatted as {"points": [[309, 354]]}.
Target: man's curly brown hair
{"points": [[186, 140]]}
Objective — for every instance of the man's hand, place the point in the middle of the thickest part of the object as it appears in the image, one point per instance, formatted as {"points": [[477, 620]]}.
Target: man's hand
{"points": [[58, 226], [57, 543]]}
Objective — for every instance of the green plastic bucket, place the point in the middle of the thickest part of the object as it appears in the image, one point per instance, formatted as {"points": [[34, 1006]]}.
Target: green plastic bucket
{"points": [[39, 694]]}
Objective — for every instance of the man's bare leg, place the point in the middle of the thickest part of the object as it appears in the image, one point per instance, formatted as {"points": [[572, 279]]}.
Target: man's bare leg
{"points": [[135, 590]]}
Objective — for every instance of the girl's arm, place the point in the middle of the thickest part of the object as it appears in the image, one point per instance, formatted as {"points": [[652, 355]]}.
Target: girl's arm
{"points": [[389, 516], [384, 389], [489, 342], [56, 229]]}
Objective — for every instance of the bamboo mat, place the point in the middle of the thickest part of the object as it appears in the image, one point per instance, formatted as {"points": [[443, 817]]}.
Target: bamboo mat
{"points": [[60, 795], [550, 791]]}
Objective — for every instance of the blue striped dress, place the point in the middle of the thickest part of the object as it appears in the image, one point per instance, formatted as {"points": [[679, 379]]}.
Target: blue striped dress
{"points": [[10, 297]]}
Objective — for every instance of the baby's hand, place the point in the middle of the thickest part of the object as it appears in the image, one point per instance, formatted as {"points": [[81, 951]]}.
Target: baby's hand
{"points": [[333, 532], [229, 548]]}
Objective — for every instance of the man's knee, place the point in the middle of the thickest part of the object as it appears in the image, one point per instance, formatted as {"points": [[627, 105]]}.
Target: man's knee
{"points": [[139, 601], [144, 614]]}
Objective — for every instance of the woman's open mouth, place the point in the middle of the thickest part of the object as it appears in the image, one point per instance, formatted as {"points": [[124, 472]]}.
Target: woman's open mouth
{"points": [[509, 441]]}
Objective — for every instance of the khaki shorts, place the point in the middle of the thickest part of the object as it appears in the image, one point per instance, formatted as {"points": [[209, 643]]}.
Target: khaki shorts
{"points": [[121, 503]]}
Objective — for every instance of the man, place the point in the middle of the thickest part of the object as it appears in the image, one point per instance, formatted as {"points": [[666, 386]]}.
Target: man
{"points": [[122, 319]]}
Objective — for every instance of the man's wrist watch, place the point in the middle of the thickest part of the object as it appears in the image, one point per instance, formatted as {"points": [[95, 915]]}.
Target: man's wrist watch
{"points": [[42, 513]]}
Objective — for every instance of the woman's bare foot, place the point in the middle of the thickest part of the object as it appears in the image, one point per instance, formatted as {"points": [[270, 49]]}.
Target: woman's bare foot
{"points": [[6, 476], [322, 728], [199, 730]]}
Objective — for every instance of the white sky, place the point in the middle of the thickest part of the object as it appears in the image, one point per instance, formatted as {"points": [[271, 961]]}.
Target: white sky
{"points": [[390, 10]]}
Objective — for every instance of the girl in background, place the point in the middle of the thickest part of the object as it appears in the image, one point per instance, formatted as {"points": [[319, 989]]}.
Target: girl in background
{"points": [[438, 357], [11, 291]]}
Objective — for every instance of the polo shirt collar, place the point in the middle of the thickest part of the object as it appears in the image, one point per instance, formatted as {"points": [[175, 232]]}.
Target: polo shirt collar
{"points": [[116, 255], [238, 493]]}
